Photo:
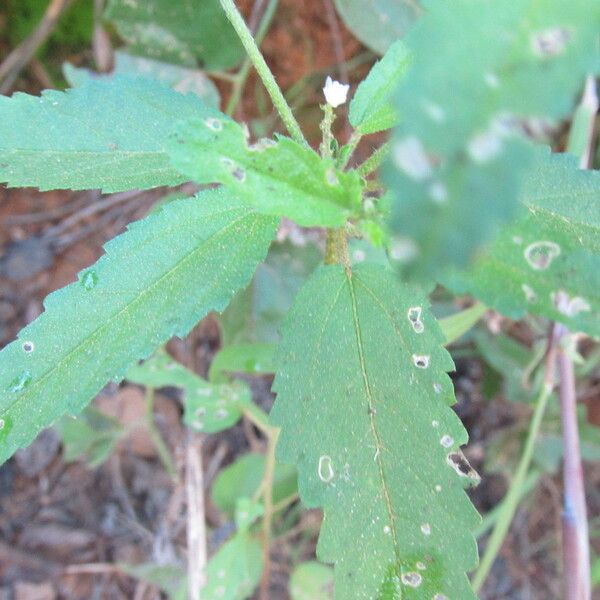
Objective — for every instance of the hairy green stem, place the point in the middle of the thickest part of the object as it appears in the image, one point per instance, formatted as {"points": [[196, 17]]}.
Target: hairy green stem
{"points": [[511, 500], [242, 74], [325, 126], [254, 54], [374, 161], [336, 249]]}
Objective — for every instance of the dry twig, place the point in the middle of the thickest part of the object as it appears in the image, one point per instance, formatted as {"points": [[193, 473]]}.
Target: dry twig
{"points": [[15, 62], [196, 528]]}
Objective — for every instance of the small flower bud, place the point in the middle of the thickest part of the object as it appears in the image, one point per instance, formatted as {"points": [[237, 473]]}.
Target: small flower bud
{"points": [[335, 92]]}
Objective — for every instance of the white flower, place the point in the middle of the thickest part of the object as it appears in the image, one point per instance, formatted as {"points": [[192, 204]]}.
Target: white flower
{"points": [[335, 92]]}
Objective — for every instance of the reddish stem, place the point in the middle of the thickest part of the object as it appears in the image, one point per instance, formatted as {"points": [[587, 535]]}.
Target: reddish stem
{"points": [[576, 558]]}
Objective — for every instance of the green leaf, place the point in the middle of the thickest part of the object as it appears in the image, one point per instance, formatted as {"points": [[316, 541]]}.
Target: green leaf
{"points": [[105, 134], [311, 581], [456, 325], [253, 359], [161, 370], [234, 571], [547, 263], [480, 78], [240, 479], [378, 23], [192, 33], [278, 177], [371, 109], [155, 281], [243, 477], [93, 436], [211, 408], [181, 79], [363, 402], [247, 511], [208, 407], [255, 313]]}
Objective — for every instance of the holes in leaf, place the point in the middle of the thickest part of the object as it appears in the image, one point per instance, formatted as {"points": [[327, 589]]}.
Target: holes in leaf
{"points": [[325, 469], [570, 307], [447, 441], [414, 316], [412, 579], [540, 255], [214, 124], [530, 295], [550, 42], [421, 361], [89, 280], [461, 465]]}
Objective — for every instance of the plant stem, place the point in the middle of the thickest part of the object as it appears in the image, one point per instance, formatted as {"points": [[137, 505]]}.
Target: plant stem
{"points": [[161, 448], [260, 419], [196, 518], [336, 249], [575, 543], [242, 75], [372, 163], [325, 126], [511, 500], [576, 553], [254, 54]]}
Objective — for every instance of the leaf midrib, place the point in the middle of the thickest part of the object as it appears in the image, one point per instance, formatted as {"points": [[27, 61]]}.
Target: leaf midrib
{"points": [[372, 421]]}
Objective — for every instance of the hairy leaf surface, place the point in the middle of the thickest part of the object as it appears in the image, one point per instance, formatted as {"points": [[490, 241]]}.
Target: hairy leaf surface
{"points": [[187, 32], [104, 134], [363, 402], [155, 281], [547, 263], [483, 73], [278, 177], [371, 109], [379, 23]]}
